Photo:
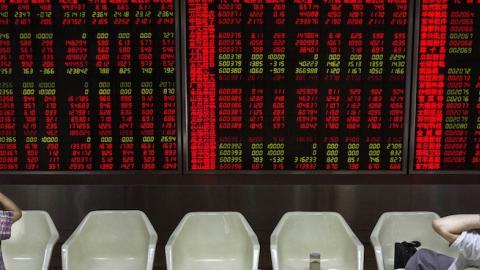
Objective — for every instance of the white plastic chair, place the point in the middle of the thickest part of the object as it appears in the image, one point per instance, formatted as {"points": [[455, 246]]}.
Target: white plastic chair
{"points": [[298, 234], [213, 241], [405, 226], [117, 240], [30, 246]]}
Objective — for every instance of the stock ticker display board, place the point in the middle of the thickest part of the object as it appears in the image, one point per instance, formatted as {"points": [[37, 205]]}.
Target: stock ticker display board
{"points": [[317, 85], [88, 85], [447, 129], [300, 85]]}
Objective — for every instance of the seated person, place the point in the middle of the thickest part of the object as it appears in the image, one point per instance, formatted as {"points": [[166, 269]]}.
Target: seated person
{"points": [[459, 231], [9, 214]]}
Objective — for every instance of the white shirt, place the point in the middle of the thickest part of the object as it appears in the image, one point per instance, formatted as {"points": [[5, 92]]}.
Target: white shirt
{"points": [[468, 246]]}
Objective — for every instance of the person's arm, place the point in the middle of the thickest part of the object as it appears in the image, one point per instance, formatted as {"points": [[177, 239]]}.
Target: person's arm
{"points": [[9, 205], [451, 227]]}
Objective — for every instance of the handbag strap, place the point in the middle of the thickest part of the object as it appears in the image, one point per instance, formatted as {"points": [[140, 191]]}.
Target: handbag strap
{"points": [[414, 244]]}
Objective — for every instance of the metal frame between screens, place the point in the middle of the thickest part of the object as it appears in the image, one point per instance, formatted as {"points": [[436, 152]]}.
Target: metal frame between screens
{"points": [[418, 7], [408, 89], [178, 89]]}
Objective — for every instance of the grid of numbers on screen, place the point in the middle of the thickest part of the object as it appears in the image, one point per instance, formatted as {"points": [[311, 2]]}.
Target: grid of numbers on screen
{"points": [[88, 85], [297, 85], [447, 130]]}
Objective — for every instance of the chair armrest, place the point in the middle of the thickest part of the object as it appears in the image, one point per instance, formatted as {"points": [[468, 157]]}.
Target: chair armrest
{"points": [[375, 241], [152, 240]]}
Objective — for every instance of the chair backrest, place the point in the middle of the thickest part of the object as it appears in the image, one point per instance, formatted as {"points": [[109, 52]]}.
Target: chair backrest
{"points": [[112, 235], [299, 234], [213, 236], [406, 226], [32, 240]]}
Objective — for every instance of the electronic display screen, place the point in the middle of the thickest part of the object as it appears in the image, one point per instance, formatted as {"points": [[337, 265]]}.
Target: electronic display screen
{"points": [[447, 130], [318, 85], [88, 85]]}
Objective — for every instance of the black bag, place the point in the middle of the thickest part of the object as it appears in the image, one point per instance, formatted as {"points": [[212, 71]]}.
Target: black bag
{"points": [[403, 252]]}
